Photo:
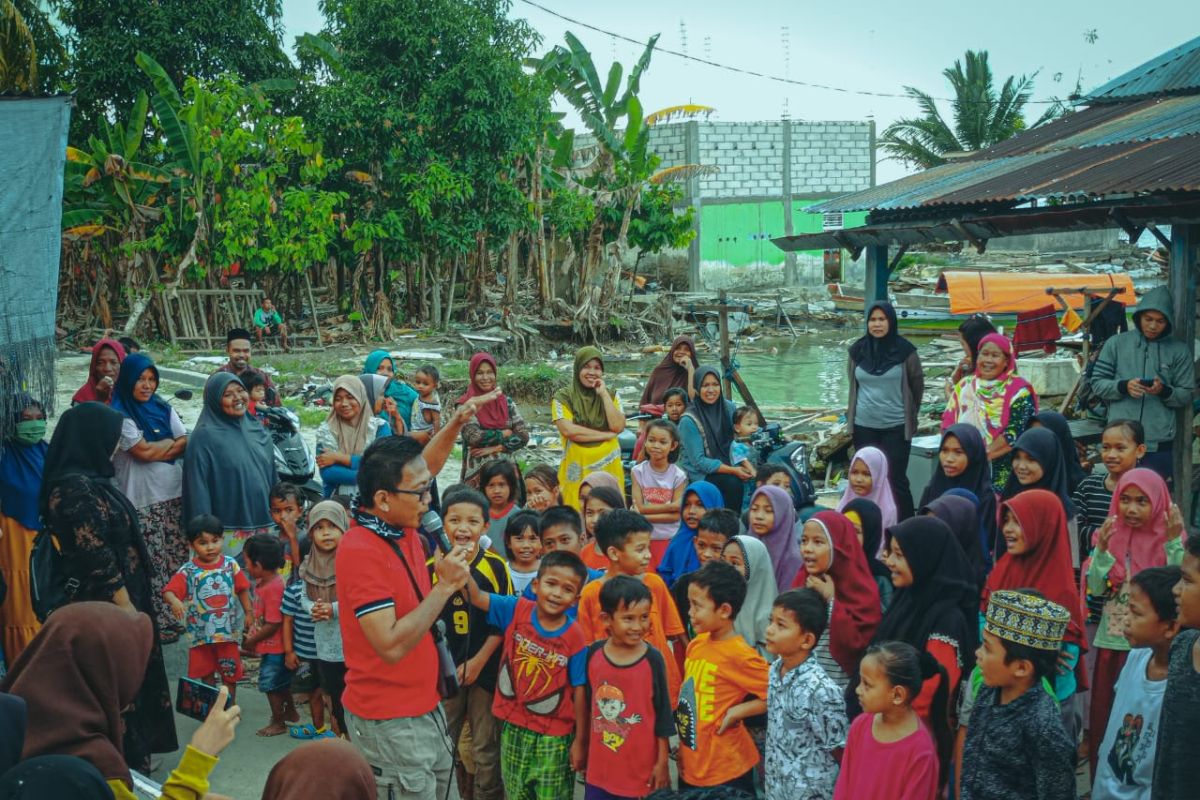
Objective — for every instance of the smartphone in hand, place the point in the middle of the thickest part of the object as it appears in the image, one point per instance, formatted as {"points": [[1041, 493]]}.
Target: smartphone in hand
{"points": [[196, 698]]}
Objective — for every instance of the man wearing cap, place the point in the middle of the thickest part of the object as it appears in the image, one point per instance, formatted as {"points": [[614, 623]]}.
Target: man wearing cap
{"points": [[1016, 746]]}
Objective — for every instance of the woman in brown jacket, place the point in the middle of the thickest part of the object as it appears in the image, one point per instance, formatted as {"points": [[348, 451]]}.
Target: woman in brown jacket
{"points": [[886, 384]]}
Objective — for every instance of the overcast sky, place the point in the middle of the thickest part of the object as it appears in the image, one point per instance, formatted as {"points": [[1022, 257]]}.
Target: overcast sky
{"points": [[866, 46]]}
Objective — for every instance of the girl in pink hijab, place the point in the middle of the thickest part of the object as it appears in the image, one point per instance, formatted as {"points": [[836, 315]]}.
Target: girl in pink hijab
{"points": [[1143, 529], [869, 479]]}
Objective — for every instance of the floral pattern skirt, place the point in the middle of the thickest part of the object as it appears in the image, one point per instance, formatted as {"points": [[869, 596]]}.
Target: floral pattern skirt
{"points": [[162, 530]]}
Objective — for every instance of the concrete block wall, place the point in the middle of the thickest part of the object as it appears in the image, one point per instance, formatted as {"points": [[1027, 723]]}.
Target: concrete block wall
{"points": [[668, 142], [831, 157]]}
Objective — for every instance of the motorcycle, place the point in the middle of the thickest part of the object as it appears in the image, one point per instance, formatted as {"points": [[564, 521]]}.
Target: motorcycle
{"points": [[293, 461]]}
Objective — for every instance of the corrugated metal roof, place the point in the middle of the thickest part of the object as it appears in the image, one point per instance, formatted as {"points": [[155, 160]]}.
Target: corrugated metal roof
{"points": [[1080, 154], [1177, 70]]}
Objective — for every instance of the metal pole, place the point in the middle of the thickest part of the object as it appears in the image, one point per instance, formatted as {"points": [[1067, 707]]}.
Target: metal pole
{"points": [[723, 328], [877, 276]]}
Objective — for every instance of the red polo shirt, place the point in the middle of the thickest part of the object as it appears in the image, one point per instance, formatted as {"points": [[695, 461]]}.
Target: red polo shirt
{"points": [[371, 578]]}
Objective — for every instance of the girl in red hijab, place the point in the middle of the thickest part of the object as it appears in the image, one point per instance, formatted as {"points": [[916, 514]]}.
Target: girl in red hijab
{"points": [[497, 430], [1037, 556], [107, 355], [1143, 529], [836, 566]]}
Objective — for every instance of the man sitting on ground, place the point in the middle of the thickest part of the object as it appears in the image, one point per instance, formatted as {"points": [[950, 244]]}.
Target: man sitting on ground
{"points": [[269, 322], [237, 346]]}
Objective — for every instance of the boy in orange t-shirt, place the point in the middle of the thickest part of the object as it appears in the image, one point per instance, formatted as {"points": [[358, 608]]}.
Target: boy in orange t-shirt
{"points": [[715, 749], [624, 537]]}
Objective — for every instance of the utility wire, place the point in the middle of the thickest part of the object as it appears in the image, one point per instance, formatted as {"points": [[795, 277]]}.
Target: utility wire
{"points": [[750, 72]]}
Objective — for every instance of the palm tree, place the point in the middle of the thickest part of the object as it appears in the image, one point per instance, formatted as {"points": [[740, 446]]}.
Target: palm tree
{"points": [[18, 53], [981, 116]]}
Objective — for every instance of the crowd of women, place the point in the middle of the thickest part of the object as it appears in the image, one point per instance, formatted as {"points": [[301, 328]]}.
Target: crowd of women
{"points": [[1009, 506]]}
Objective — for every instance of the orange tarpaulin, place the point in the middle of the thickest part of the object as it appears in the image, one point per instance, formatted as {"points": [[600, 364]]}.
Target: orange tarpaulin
{"points": [[973, 292]]}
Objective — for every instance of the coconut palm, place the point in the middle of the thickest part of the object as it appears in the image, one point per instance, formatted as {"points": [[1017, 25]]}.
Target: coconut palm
{"points": [[18, 52], [982, 117]]}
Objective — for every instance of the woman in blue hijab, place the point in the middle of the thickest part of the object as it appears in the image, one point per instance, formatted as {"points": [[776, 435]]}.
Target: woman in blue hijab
{"points": [[149, 473], [22, 459], [379, 362]]}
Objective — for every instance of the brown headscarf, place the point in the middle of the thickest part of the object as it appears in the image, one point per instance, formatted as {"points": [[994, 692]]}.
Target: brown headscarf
{"points": [[668, 374], [351, 436], [317, 569], [328, 768], [84, 666]]}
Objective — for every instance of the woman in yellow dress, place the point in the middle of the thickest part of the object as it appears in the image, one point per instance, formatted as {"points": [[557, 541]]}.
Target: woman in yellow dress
{"points": [[589, 418], [21, 467]]}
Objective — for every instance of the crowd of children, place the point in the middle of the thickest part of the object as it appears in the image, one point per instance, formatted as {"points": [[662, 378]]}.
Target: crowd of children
{"points": [[655, 636]]}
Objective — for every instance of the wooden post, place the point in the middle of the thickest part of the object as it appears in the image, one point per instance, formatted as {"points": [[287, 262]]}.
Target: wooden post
{"points": [[1184, 242], [723, 328], [877, 277]]}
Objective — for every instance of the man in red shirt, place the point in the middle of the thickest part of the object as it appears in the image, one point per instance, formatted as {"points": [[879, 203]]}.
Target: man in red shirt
{"points": [[388, 607]]}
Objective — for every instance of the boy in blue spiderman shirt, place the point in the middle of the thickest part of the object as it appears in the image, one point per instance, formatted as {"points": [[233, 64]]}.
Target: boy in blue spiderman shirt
{"points": [[209, 582], [542, 676]]}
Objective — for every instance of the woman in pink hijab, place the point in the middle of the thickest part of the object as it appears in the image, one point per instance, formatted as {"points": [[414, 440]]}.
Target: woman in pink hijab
{"points": [[869, 480], [497, 429]]}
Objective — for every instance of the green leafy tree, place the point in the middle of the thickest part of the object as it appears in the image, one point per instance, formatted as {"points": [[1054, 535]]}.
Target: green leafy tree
{"points": [[32, 53], [427, 104], [982, 116], [197, 38]]}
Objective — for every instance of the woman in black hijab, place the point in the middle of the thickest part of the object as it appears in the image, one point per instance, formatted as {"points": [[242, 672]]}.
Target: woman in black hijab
{"points": [[104, 553], [1056, 422], [935, 608], [962, 463], [867, 519], [886, 384], [706, 440], [961, 515]]}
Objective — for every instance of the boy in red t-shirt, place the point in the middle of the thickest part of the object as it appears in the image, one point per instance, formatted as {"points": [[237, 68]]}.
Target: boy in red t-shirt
{"points": [[628, 715], [541, 679], [625, 538], [721, 670], [264, 557]]}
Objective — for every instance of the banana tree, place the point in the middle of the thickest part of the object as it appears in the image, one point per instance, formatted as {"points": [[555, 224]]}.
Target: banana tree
{"points": [[111, 202], [614, 168]]}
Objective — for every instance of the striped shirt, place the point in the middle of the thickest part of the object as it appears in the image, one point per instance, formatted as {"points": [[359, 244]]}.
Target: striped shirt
{"points": [[303, 640], [825, 658], [1092, 499]]}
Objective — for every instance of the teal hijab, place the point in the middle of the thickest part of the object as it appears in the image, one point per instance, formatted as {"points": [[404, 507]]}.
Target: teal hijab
{"points": [[404, 395]]}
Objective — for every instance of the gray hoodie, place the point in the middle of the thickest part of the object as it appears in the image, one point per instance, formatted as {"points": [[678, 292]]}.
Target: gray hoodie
{"points": [[1130, 355]]}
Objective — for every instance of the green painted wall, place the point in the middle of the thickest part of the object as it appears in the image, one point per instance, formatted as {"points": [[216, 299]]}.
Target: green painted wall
{"points": [[739, 234]]}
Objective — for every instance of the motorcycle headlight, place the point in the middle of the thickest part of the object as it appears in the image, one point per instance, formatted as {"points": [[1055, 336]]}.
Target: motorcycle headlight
{"points": [[799, 459]]}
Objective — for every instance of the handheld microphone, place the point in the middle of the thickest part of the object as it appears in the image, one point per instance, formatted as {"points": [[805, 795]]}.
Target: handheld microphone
{"points": [[432, 524]]}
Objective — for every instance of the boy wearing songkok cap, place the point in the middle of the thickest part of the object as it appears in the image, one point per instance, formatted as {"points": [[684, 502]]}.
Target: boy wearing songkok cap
{"points": [[1016, 747]]}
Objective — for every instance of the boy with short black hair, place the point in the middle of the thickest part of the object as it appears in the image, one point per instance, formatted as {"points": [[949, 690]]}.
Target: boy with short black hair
{"points": [[1126, 765], [542, 673], [624, 536], [209, 582], [561, 528], [713, 532], [628, 713], [264, 558], [1174, 761], [256, 387], [806, 713], [474, 643], [1016, 747], [287, 511], [721, 670]]}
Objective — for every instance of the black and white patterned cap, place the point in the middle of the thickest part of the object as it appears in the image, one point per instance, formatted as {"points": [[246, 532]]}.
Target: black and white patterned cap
{"points": [[1026, 619]]}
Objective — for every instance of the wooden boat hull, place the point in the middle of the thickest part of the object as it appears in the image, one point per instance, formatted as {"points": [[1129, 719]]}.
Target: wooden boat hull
{"points": [[929, 319]]}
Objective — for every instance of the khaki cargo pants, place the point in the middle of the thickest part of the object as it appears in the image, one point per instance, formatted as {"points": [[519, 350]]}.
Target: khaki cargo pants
{"points": [[410, 756]]}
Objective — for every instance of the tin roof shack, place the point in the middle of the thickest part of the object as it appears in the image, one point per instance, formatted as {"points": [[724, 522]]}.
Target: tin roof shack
{"points": [[1129, 160]]}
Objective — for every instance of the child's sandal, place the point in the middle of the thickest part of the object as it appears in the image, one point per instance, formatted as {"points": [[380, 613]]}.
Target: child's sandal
{"points": [[305, 731]]}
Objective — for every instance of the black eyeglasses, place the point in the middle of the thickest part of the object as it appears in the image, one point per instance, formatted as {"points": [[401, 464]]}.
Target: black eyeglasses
{"points": [[424, 491]]}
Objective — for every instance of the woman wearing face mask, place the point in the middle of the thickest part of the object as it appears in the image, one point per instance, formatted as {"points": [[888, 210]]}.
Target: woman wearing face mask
{"points": [[589, 419], [886, 384], [22, 461], [706, 440], [995, 400]]}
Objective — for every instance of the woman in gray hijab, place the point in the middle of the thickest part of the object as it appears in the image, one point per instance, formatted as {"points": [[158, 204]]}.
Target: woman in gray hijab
{"points": [[230, 465]]}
